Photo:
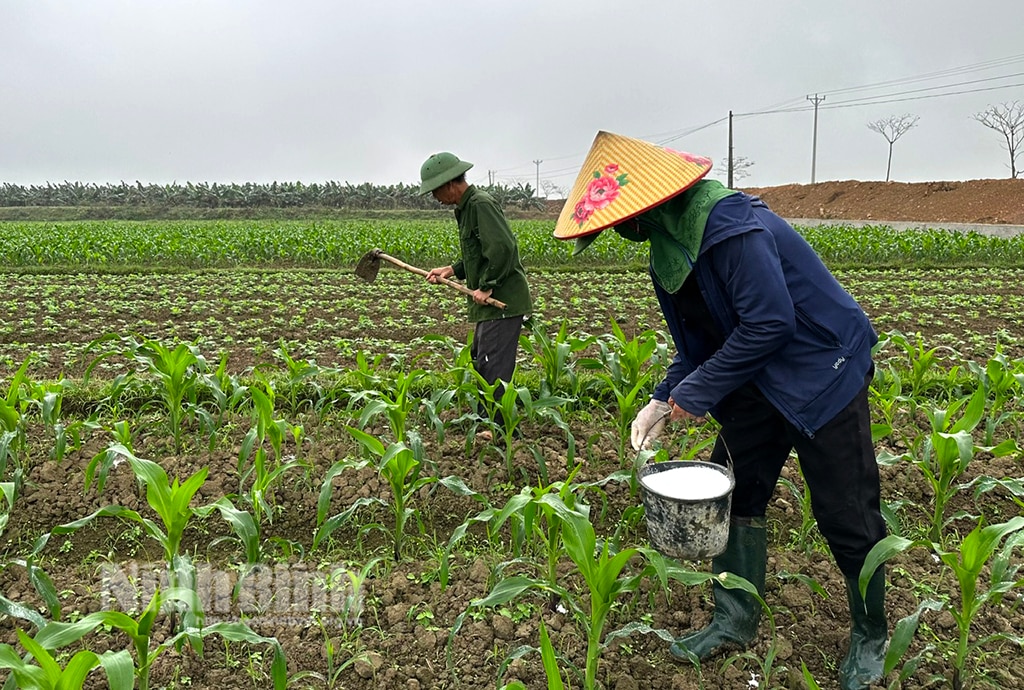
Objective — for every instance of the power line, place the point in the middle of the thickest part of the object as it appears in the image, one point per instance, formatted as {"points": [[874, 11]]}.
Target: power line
{"points": [[965, 69], [789, 106]]}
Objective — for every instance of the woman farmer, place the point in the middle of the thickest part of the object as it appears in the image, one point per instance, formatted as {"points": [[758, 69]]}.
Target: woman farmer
{"points": [[768, 344], [489, 264]]}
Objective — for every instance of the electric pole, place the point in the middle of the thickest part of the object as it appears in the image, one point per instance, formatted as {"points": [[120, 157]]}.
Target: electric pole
{"points": [[729, 182], [490, 177], [537, 163], [814, 142]]}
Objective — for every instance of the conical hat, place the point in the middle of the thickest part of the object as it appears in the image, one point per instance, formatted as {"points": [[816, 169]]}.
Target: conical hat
{"points": [[621, 178]]}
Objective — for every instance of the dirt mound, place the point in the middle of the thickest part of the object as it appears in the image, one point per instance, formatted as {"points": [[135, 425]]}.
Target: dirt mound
{"points": [[972, 201]]}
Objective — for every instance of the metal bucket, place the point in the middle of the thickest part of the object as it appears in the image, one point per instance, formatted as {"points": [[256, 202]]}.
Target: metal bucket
{"points": [[685, 528]]}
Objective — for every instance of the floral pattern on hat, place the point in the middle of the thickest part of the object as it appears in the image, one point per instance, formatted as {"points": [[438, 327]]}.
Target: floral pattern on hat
{"points": [[702, 161], [603, 190]]}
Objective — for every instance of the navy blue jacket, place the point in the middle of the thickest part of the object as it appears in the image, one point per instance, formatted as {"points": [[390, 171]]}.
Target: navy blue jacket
{"points": [[789, 327]]}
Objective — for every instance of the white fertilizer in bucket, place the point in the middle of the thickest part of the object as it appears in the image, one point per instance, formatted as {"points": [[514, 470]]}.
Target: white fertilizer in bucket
{"points": [[687, 505], [690, 483]]}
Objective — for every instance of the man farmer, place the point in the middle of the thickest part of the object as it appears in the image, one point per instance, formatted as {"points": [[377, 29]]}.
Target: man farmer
{"points": [[488, 263]]}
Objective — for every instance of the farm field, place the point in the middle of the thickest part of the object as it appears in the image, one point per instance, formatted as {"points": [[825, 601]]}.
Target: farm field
{"points": [[345, 512]]}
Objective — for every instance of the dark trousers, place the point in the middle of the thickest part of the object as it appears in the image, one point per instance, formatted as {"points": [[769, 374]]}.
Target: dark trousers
{"points": [[838, 465], [495, 344]]}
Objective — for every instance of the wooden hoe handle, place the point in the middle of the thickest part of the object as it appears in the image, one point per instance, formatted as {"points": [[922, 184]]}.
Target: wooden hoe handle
{"points": [[450, 283]]}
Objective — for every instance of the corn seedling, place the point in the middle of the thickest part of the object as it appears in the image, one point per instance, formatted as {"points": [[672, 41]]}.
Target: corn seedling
{"points": [[400, 466], [803, 535], [40, 582], [979, 553], [532, 522], [301, 374], [554, 356], [48, 398], [47, 674], [627, 366], [57, 635], [170, 500], [607, 577], [228, 395], [943, 455], [923, 363], [178, 374], [10, 491], [1001, 380], [12, 419], [549, 659], [396, 401], [514, 406]]}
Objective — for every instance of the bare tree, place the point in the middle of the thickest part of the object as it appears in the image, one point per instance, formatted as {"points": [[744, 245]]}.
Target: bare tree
{"points": [[740, 167], [892, 128], [552, 190], [1008, 120]]}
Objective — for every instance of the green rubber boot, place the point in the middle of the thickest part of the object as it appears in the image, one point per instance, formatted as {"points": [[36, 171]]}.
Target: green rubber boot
{"points": [[869, 634], [737, 613]]}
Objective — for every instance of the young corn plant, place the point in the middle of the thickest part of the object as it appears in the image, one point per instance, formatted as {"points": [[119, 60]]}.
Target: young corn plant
{"points": [[257, 481], [944, 455], [400, 466], [258, 477], [923, 363], [396, 399], [48, 398], [47, 674], [458, 366], [13, 406], [549, 659], [435, 409], [626, 367], [40, 582], [984, 572], [533, 524], [554, 355], [228, 394], [803, 536], [607, 576], [300, 376], [170, 500], [1002, 381], [178, 374], [516, 405], [10, 492], [268, 427], [58, 635]]}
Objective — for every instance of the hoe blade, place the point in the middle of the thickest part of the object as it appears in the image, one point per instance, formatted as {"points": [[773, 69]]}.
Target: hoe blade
{"points": [[369, 266]]}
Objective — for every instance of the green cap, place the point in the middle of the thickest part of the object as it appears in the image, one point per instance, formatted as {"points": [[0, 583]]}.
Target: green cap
{"points": [[439, 169]]}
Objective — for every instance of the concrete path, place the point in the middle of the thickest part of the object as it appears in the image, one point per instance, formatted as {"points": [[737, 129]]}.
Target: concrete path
{"points": [[993, 230]]}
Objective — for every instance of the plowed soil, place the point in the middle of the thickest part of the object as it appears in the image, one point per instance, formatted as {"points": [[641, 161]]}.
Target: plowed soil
{"points": [[971, 201]]}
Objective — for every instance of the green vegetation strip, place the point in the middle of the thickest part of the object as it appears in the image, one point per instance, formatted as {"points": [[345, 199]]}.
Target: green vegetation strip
{"points": [[340, 243]]}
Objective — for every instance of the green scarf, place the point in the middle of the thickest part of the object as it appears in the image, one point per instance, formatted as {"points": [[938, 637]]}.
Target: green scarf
{"points": [[675, 229]]}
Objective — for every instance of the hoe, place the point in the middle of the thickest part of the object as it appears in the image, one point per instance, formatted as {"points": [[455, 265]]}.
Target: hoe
{"points": [[369, 266]]}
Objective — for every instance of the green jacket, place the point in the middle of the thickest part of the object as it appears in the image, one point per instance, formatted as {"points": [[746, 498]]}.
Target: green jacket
{"points": [[490, 258]]}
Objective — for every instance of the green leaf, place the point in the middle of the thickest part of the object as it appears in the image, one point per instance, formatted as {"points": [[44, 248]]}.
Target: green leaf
{"points": [[547, 655]]}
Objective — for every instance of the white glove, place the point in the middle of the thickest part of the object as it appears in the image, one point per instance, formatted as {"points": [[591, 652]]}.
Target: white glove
{"points": [[649, 424]]}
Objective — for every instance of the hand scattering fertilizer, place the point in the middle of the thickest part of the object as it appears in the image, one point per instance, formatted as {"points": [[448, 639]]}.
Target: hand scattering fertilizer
{"points": [[687, 505]]}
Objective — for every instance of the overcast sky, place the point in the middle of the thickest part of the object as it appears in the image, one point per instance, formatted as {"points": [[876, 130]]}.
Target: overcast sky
{"points": [[363, 91]]}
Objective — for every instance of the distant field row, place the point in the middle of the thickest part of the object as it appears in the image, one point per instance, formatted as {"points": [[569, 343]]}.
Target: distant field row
{"points": [[330, 314], [340, 243]]}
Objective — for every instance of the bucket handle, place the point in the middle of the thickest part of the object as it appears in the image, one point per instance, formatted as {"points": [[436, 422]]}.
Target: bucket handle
{"points": [[728, 454]]}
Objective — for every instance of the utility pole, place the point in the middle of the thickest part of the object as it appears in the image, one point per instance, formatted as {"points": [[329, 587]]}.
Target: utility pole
{"points": [[814, 142], [537, 163], [729, 182], [490, 177]]}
